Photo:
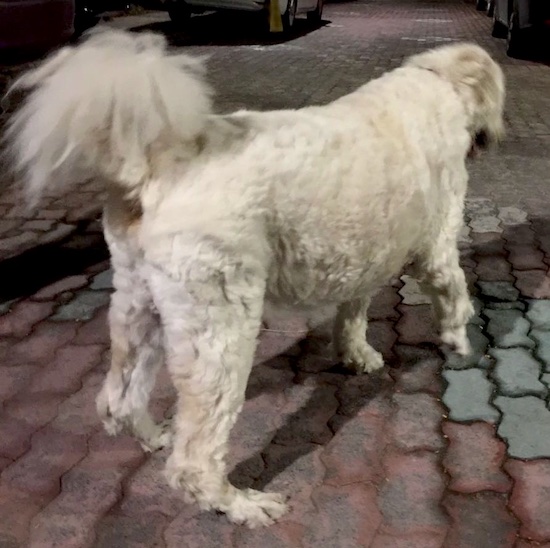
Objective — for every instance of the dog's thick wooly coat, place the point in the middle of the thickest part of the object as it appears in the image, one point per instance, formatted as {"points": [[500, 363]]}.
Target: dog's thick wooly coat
{"points": [[208, 215]]}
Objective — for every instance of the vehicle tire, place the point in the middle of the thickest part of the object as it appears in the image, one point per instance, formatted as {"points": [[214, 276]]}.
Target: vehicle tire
{"points": [[481, 5], [316, 15], [499, 29], [289, 16], [179, 12], [516, 38]]}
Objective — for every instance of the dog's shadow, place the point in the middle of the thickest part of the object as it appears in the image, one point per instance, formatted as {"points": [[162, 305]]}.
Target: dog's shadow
{"points": [[307, 428]]}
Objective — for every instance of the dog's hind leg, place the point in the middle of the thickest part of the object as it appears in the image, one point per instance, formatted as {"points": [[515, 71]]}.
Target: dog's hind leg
{"points": [[211, 321], [136, 355], [440, 276], [349, 339]]}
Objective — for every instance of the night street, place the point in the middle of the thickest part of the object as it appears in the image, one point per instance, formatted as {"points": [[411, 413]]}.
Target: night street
{"points": [[433, 451]]}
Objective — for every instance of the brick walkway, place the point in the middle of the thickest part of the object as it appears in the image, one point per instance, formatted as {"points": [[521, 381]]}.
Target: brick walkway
{"points": [[433, 452]]}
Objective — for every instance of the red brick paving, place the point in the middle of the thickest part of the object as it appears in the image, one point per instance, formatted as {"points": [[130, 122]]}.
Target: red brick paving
{"points": [[534, 284], [416, 422], [366, 461], [23, 317], [481, 519], [417, 325], [408, 495], [419, 371], [526, 257], [530, 500], [493, 269], [474, 458]]}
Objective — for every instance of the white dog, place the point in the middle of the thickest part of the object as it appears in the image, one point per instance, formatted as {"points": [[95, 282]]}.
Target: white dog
{"points": [[209, 215]]}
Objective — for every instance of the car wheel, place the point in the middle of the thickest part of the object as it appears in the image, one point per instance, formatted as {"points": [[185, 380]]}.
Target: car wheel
{"points": [[481, 5], [179, 12], [499, 29], [316, 15], [516, 38], [289, 16]]}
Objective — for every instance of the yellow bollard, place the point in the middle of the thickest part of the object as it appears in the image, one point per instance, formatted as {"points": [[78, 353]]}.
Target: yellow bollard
{"points": [[275, 19]]}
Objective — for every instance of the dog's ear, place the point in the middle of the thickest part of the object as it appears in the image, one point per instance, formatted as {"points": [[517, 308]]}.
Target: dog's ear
{"points": [[476, 71], [476, 77]]}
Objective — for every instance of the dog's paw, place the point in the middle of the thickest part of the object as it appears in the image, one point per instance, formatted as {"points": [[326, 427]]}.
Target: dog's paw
{"points": [[457, 340], [160, 437], [363, 359], [112, 426], [256, 509], [110, 423]]}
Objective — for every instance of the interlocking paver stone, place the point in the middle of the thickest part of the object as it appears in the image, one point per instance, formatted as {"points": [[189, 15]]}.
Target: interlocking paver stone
{"points": [[500, 291], [353, 453], [517, 372], [197, 530], [530, 501], [480, 520], [467, 396], [347, 515], [521, 234], [538, 314], [542, 350], [103, 280], [478, 306], [5, 307], [491, 268], [83, 306], [66, 284], [123, 531], [479, 206], [512, 215], [407, 497], [534, 284], [525, 425], [419, 372], [412, 293], [477, 357], [485, 223], [415, 540], [474, 458], [416, 422], [525, 257], [505, 305], [508, 328], [464, 235]]}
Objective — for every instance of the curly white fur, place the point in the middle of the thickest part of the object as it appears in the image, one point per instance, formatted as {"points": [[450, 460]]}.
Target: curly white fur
{"points": [[209, 215]]}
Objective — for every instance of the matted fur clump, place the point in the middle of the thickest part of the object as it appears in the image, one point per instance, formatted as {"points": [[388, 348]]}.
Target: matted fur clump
{"points": [[208, 216]]}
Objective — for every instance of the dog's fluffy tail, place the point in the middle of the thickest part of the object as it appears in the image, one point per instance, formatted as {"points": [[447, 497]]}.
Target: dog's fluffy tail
{"points": [[104, 108]]}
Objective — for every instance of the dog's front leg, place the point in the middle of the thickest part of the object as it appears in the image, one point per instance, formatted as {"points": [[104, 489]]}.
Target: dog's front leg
{"points": [[350, 343], [444, 281], [211, 323], [440, 275]]}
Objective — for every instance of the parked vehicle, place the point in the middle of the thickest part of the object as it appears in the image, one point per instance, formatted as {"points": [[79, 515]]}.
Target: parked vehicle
{"points": [[481, 5], [31, 27], [181, 10], [88, 12], [520, 22]]}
